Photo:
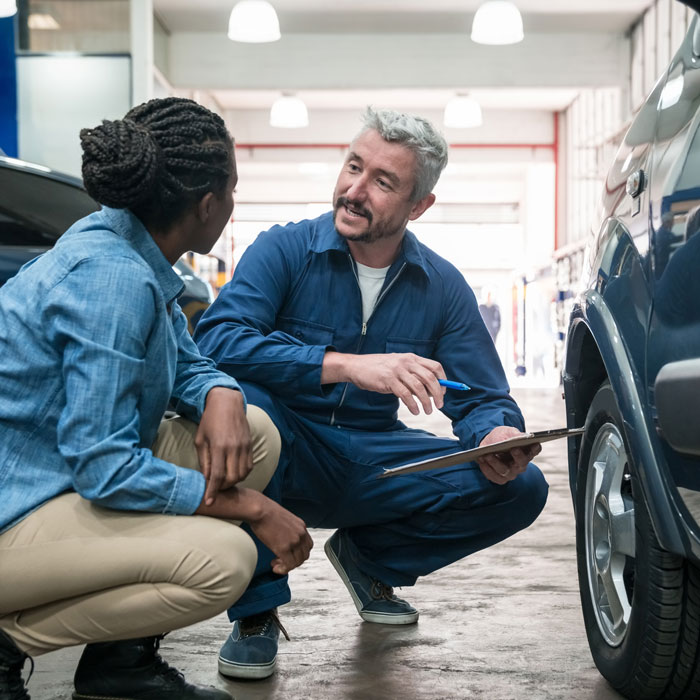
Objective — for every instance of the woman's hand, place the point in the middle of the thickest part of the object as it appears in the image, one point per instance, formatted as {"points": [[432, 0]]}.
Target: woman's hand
{"points": [[223, 441], [285, 535], [281, 531]]}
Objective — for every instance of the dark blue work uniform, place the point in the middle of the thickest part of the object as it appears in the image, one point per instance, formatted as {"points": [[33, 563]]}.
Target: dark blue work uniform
{"points": [[294, 295]]}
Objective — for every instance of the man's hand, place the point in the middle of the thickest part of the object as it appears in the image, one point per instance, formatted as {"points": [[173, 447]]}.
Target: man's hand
{"points": [[223, 441], [407, 376], [502, 467]]}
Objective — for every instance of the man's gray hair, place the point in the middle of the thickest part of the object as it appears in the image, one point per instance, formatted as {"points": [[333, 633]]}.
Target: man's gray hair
{"points": [[416, 134]]}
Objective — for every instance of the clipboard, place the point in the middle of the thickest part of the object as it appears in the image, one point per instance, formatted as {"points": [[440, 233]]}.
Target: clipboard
{"points": [[523, 440]]}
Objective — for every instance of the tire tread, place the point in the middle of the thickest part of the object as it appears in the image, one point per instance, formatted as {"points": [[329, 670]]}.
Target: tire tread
{"points": [[659, 658]]}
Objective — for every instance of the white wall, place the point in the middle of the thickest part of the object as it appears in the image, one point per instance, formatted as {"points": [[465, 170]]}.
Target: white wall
{"points": [[59, 95]]}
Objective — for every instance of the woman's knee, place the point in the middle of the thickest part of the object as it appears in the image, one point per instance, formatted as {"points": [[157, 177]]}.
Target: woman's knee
{"points": [[228, 567], [266, 446]]}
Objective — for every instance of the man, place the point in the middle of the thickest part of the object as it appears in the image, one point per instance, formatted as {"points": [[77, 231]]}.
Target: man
{"points": [[492, 316], [328, 323]]}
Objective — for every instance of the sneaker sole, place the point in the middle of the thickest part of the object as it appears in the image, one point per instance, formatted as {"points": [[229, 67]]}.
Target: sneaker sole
{"points": [[254, 671], [379, 618]]}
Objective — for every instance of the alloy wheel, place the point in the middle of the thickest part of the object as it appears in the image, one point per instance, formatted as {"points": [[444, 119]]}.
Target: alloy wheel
{"points": [[610, 533]]}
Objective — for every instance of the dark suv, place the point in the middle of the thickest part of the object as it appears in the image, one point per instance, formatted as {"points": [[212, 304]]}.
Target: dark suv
{"points": [[38, 204], [632, 376]]}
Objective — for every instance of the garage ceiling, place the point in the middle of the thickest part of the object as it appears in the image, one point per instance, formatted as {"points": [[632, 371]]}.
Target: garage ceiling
{"points": [[404, 16], [364, 43]]}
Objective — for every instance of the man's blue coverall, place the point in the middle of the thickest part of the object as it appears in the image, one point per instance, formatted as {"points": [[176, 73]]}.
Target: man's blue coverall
{"points": [[294, 295]]}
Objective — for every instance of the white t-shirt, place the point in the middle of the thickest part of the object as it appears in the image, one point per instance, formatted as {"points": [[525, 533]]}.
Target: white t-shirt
{"points": [[371, 280]]}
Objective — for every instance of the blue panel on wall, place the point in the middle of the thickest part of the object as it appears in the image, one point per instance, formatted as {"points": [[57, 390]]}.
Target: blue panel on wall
{"points": [[8, 87]]}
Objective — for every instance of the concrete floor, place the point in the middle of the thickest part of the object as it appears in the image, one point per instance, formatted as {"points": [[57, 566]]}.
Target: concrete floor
{"points": [[504, 624]]}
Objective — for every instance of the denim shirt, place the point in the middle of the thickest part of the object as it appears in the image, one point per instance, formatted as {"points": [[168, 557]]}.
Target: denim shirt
{"points": [[294, 295], [93, 346]]}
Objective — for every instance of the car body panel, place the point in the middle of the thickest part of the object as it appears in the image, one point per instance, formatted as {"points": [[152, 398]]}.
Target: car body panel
{"points": [[632, 284]]}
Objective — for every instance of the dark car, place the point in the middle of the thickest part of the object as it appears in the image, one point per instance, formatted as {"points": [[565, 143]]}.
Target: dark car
{"points": [[38, 204], [632, 377]]}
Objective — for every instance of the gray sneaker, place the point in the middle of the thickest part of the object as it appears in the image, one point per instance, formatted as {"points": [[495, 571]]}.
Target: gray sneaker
{"points": [[374, 600]]}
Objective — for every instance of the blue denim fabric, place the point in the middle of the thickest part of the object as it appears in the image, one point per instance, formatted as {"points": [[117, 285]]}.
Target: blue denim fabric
{"points": [[294, 295], [93, 345]]}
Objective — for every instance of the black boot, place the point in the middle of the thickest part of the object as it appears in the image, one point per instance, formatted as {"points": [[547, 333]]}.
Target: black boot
{"points": [[133, 670], [11, 662]]}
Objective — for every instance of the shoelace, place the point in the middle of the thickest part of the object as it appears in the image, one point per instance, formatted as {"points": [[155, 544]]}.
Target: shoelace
{"points": [[259, 624], [162, 666], [15, 682], [380, 591]]}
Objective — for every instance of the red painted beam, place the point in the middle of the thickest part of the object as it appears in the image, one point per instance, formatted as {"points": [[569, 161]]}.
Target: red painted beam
{"points": [[555, 146], [345, 145]]}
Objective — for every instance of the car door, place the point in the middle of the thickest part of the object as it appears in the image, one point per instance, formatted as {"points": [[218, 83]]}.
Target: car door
{"points": [[35, 209], [674, 253]]}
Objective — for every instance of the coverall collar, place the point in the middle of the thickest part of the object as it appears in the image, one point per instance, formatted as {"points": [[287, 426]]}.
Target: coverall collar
{"points": [[327, 238]]}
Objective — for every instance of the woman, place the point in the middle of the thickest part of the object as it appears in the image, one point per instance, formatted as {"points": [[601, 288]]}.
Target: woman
{"points": [[93, 347]]}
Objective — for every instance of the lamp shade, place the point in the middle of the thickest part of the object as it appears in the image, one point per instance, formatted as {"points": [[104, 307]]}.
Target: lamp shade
{"points": [[253, 21], [462, 112], [8, 8], [289, 112], [497, 22]]}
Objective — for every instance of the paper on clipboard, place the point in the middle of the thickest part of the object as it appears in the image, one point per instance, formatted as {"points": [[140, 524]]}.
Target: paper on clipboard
{"points": [[523, 440]]}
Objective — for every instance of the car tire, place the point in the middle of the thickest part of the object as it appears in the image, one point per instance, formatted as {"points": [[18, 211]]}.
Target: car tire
{"points": [[641, 604]]}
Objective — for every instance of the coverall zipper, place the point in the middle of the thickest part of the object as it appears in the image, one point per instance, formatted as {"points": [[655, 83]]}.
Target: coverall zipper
{"points": [[363, 332]]}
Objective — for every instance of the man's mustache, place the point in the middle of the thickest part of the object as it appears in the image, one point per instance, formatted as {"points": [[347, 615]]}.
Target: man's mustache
{"points": [[357, 208]]}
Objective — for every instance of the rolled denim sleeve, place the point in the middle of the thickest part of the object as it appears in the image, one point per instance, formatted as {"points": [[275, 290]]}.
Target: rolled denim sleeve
{"points": [[195, 375], [99, 317]]}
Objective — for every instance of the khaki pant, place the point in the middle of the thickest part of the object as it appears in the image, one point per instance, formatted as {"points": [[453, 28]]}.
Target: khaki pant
{"points": [[72, 572]]}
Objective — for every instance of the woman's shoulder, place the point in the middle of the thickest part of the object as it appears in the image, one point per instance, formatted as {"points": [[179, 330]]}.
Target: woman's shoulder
{"points": [[92, 242]]}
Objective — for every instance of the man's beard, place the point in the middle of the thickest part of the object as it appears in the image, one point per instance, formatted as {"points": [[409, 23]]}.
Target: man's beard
{"points": [[371, 234]]}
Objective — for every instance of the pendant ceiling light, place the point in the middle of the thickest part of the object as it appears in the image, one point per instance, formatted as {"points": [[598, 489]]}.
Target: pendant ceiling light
{"points": [[42, 20], [253, 21], [8, 8], [462, 112], [289, 112], [497, 22]]}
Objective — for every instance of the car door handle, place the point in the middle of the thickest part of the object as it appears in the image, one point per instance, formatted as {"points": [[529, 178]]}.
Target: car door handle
{"points": [[636, 183]]}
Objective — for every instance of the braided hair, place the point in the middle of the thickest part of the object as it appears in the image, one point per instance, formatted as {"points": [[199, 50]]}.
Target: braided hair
{"points": [[159, 160]]}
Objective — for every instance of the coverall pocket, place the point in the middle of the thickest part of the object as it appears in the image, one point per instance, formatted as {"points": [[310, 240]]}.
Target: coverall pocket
{"points": [[306, 332], [417, 346]]}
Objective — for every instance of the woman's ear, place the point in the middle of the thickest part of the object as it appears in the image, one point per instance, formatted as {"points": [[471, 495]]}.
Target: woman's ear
{"points": [[204, 207]]}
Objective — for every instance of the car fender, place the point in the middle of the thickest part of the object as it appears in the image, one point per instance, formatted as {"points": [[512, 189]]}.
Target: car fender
{"points": [[593, 331]]}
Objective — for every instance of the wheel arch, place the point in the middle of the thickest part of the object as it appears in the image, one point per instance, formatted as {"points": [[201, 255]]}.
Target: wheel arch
{"points": [[594, 353]]}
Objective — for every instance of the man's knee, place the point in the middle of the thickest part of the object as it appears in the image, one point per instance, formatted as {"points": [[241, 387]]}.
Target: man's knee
{"points": [[533, 490]]}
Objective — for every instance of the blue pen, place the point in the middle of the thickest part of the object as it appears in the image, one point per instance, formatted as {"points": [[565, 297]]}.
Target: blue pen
{"points": [[453, 385]]}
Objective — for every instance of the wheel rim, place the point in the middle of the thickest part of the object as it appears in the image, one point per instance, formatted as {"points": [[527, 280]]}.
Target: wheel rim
{"points": [[610, 534]]}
